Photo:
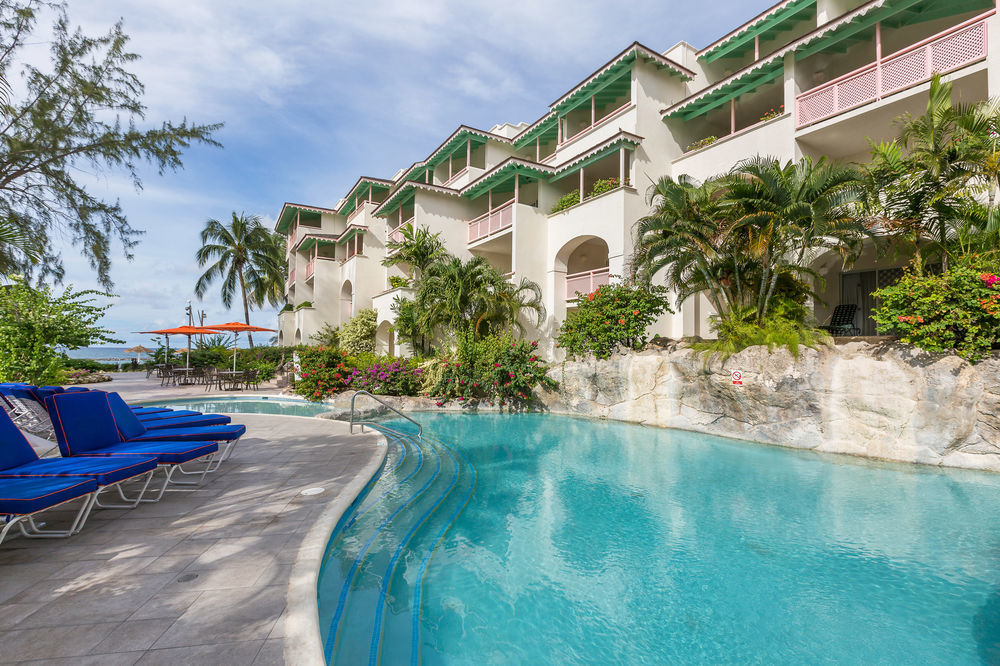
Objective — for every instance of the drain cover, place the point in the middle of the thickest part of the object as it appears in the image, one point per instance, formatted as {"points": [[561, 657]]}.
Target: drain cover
{"points": [[312, 491], [186, 578]]}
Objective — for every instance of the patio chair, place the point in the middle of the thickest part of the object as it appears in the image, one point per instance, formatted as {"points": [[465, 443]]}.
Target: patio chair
{"points": [[85, 426], [842, 320], [251, 378], [18, 459], [23, 499], [167, 376]]}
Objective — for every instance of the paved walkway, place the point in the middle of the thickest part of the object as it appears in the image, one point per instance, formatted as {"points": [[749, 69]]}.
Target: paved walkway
{"points": [[200, 577]]}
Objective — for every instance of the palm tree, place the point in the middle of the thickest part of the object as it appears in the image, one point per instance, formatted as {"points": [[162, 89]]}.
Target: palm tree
{"points": [[13, 242], [247, 257], [420, 249], [789, 214]]}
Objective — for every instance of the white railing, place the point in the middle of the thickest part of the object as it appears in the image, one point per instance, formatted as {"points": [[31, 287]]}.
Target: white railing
{"points": [[944, 52], [357, 210], [492, 222], [586, 282], [310, 268]]}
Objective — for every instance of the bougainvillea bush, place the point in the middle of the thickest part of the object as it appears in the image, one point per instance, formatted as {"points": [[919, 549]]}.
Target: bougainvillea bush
{"points": [[495, 368], [611, 317], [958, 310], [387, 376], [322, 372]]}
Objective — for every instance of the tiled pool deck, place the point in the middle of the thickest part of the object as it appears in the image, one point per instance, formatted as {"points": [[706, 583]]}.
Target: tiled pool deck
{"points": [[201, 577]]}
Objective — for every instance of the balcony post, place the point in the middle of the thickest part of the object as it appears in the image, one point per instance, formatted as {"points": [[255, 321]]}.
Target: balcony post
{"points": [[369, 192], [593, 110], [878, 60], [516, 186], [427, 175], [468, 152], [581, 185], [756, 47], [449, 167], [621, 166], [732, 116], [538, 148], [559, 129]]}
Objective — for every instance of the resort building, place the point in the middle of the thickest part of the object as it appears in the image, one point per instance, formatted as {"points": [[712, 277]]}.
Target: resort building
{"points": [[804, 78]]}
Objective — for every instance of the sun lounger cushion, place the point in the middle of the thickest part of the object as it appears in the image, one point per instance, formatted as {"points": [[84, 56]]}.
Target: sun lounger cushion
{"points": [[82, 421], [133, 430], [198, 420], [172, 414], [175, 453], [149, 410], [23, 496], [103, 469]]}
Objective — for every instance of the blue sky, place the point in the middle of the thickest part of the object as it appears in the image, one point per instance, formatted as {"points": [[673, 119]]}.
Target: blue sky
{"points": [[316, 94]]}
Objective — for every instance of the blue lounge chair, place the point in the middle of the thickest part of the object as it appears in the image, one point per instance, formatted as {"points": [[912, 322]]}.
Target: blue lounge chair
{"points": [[173, 414], [138, 411], [85, 426], [133, 430], [195, 421], [21, 499], [19, 460], [71, 389]]}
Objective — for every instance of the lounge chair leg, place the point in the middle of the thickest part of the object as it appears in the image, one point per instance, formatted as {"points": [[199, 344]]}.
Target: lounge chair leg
{"points": [[30, 529], [130, 502], [201, 475], [11, 522]]}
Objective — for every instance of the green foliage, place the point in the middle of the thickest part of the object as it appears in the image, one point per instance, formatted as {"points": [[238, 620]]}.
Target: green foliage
{"points": [[87, 364], [957, 310], [701, 143], [386, 375], [358, 335], [741, 330], [287, 307], [566, 201], [396, 282], [494, 368], [218, 341], [304, 304], [247, 258], [327, 336], [80, 115], [773, 113], [419, 249], [37, 325], [606, 185], [612, 317]]}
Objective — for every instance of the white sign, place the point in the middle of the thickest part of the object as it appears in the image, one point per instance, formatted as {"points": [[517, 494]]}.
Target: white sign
{"points": [[737, 378]]}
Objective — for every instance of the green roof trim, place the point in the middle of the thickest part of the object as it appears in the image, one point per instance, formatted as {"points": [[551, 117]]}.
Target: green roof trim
{"points": [[309, 241], [350, 233], [289, 212], [730, 90], [503, 173], [609, 147], [397, 199], [768, 25], [361, 187]]}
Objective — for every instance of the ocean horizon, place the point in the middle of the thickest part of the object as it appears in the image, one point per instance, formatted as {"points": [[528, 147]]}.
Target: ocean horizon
{"points": [[104, 354]]}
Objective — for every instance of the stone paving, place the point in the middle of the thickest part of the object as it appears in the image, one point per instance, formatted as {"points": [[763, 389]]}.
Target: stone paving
{"points": [[200, 577]]}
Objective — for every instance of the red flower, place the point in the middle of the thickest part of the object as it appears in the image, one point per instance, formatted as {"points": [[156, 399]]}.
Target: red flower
{"points": [[621, 320], [635, 312]]}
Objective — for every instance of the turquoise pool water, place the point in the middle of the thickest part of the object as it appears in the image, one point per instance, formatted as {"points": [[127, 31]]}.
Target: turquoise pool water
{"points": [[544, 539], [237, 405]]}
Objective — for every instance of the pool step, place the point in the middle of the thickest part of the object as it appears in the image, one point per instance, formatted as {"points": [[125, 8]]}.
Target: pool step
{"points": [[370, 584]]}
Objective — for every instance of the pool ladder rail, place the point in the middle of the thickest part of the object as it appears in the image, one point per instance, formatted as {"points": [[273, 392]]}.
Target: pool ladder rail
{"points": [[353, 422]]}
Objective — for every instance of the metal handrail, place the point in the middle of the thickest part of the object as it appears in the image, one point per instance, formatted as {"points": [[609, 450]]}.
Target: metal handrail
{"points": [[420, 428]]}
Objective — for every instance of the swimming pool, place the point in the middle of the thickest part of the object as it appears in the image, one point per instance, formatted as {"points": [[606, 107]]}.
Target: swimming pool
{"points": [[546, 539], [245, 405]]}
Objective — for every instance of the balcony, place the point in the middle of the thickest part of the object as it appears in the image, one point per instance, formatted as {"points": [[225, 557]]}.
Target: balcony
{"points": [[945, 52], [586, 282], [291, 278], [397, 234], [310, 269], [492, 223]]}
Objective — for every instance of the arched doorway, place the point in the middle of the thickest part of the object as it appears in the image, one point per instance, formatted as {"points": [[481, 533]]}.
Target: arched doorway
{"points": [[584, 262], [298, 336], [346, 302], [385, 342]]}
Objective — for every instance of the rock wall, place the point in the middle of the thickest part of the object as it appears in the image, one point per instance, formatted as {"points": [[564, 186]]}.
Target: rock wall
{"points": [[886, 401]]}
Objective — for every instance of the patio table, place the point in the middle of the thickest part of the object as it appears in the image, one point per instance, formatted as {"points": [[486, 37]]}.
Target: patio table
{"points": [[231, 380]]}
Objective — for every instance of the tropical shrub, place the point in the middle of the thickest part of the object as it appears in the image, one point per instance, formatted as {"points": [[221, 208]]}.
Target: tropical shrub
{"points": [[327, 336], [566, 201], [701, 143], [958, 310], [323, 371], [288, 307], [304, 304], [388, 376], [773, 113], [36, 326], [358, 335], [782, 328], [397, 281], [611, 317], [495, 368]]}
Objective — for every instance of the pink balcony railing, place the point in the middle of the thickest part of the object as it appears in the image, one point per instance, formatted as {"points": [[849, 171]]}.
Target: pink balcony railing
{"points": [[290, 243], [945, 52], [586, 282], [397, 234], [491, 223], [291, 277], [310, 268]]}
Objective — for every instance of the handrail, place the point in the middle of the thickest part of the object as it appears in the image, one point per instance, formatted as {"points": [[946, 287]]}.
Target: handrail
{"points": [[420, 428]]}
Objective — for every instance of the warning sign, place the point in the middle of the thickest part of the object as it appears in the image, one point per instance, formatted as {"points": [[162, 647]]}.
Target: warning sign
{"points": [[737, 378]]}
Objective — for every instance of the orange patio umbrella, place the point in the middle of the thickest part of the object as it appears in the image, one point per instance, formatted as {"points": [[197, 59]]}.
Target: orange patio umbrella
{"points": [[182, 330], [237, 327]]}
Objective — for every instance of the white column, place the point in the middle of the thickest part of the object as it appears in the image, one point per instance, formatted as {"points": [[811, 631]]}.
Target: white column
{"points": [[468, 152], [516, 186], [581, 184], [538, 148], [621, 166], [489, 200], [993, 56], [559, 129], [449, 167], [593, 110]]}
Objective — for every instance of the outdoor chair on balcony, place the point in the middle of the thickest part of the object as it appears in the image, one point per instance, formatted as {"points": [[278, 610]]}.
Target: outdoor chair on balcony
{"points": [[842, 321]]}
